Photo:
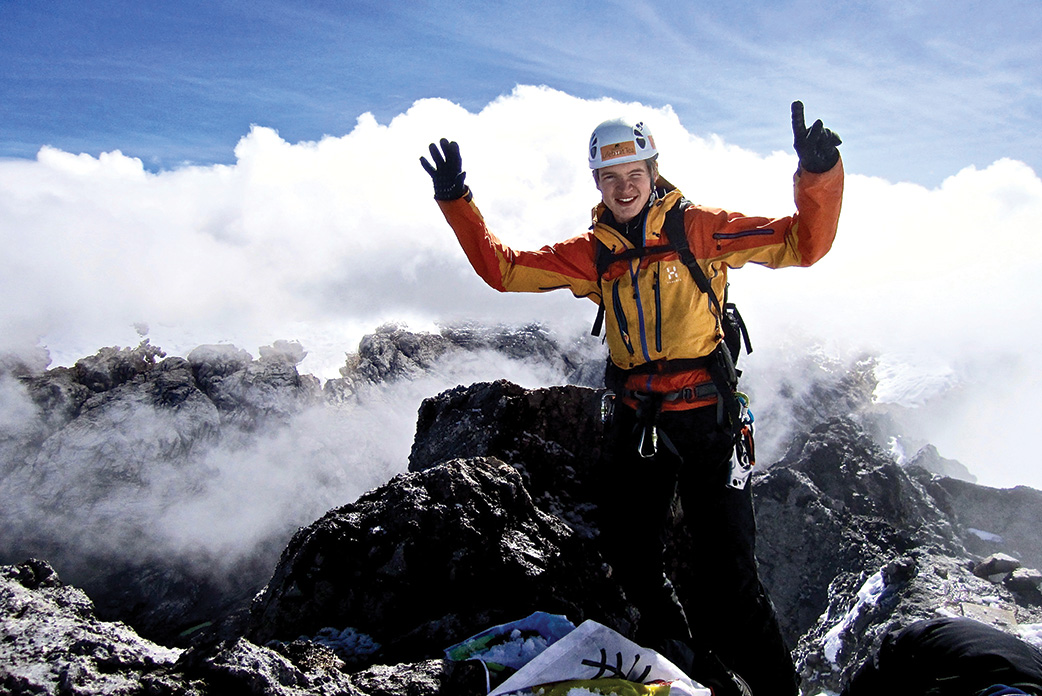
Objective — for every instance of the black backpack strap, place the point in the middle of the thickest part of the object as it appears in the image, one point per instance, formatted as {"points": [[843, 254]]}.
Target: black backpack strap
{"points": [[721, 365], [739, 331], [603, 260], [725, 378], [743, 331], [598, 322], [676, 235], [673, 228]]}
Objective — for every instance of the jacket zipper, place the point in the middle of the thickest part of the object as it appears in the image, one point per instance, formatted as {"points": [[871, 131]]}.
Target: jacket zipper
{"points": [[634, 281], [620, 316], [658, 307], [744, 233]]}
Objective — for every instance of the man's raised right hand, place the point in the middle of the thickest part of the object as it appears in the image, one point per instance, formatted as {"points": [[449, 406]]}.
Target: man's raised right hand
{"points": [[447, 171]]}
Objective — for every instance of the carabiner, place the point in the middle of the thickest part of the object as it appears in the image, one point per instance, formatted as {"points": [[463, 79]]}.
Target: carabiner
{"points": [[642, 448]]}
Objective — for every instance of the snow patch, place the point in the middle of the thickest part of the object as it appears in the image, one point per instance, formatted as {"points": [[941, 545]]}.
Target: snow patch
{"points": [[897, 451], [867, 596], [519, 649], [986, 536], [348, 643], [910, 381], [1031, 633]]}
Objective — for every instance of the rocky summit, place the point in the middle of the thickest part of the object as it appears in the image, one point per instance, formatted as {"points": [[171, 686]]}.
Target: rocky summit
{"points": [[487, 521]]}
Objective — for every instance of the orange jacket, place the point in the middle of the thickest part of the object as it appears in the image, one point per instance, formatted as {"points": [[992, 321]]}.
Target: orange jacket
{"points": [[654, 311]]}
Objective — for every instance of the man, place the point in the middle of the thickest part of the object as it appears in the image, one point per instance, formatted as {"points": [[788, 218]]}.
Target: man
{"points": [[657, 266]]}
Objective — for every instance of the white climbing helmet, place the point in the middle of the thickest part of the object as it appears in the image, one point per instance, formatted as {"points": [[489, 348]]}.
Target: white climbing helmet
{"points": [[619, 141]]}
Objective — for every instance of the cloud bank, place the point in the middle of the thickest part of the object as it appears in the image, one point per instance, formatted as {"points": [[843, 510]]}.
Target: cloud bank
{"points": [[322, 241]]}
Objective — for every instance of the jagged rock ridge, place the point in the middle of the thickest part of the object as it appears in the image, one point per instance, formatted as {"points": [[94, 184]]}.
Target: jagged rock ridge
{"points": [[102, 448], [837, 516]]}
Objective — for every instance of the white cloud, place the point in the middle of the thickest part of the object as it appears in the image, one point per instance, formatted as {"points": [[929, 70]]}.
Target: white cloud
{"points": [[321, 241]]}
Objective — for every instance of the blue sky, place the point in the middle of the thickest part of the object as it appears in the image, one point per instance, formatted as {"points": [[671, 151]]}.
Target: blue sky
{"points": [[917, 90]]}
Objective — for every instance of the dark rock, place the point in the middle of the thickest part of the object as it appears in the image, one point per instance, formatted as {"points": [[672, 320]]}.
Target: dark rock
{"points": [[426, 678], [212, 363], [104, 446], [837, 504], [998, 520], [848, 535], [835, 513], [169, 601], [996, 564], [250, 394], [1024, 580], [552, 436], [112, 367], [432, 557], [492, 523], [57, 395], [241, 667], [118, 435], [53, 642], [930, 459], [393, 353], [531, 342]]}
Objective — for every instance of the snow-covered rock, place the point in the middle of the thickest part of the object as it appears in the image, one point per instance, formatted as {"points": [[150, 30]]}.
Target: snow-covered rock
{"points": [[53, 642]]}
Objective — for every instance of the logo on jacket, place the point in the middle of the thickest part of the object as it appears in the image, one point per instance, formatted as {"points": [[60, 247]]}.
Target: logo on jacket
{"points": [[672, 274]]}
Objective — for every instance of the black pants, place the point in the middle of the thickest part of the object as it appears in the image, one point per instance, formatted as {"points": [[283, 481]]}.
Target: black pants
{"points": [[727, 608]]}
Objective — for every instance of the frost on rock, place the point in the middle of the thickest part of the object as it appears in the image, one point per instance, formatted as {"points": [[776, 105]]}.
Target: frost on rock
{"points": [[1032, 633], [53, 643], [868, 595], [350, 645]]}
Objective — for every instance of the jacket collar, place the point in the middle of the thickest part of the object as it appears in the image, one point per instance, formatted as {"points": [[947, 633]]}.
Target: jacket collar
{"points": [[663, 197]]}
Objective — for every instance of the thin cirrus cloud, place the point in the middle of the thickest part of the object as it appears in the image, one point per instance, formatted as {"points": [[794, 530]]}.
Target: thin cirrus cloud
{"points": [[918, 91]]}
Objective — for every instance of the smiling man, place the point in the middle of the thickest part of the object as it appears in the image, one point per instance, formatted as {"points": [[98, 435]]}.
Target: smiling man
{"points": [[625, 188], [657, 266]]}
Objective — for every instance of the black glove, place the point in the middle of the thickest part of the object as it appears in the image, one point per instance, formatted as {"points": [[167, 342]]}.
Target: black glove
{"points": [[816, 147], [447, 172]]}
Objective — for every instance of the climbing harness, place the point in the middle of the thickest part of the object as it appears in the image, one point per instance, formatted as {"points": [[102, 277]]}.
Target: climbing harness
{"points": [[733, 406]]}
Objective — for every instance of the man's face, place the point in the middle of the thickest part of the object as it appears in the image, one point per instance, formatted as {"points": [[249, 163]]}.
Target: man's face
{"points": [[625, 188]]}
